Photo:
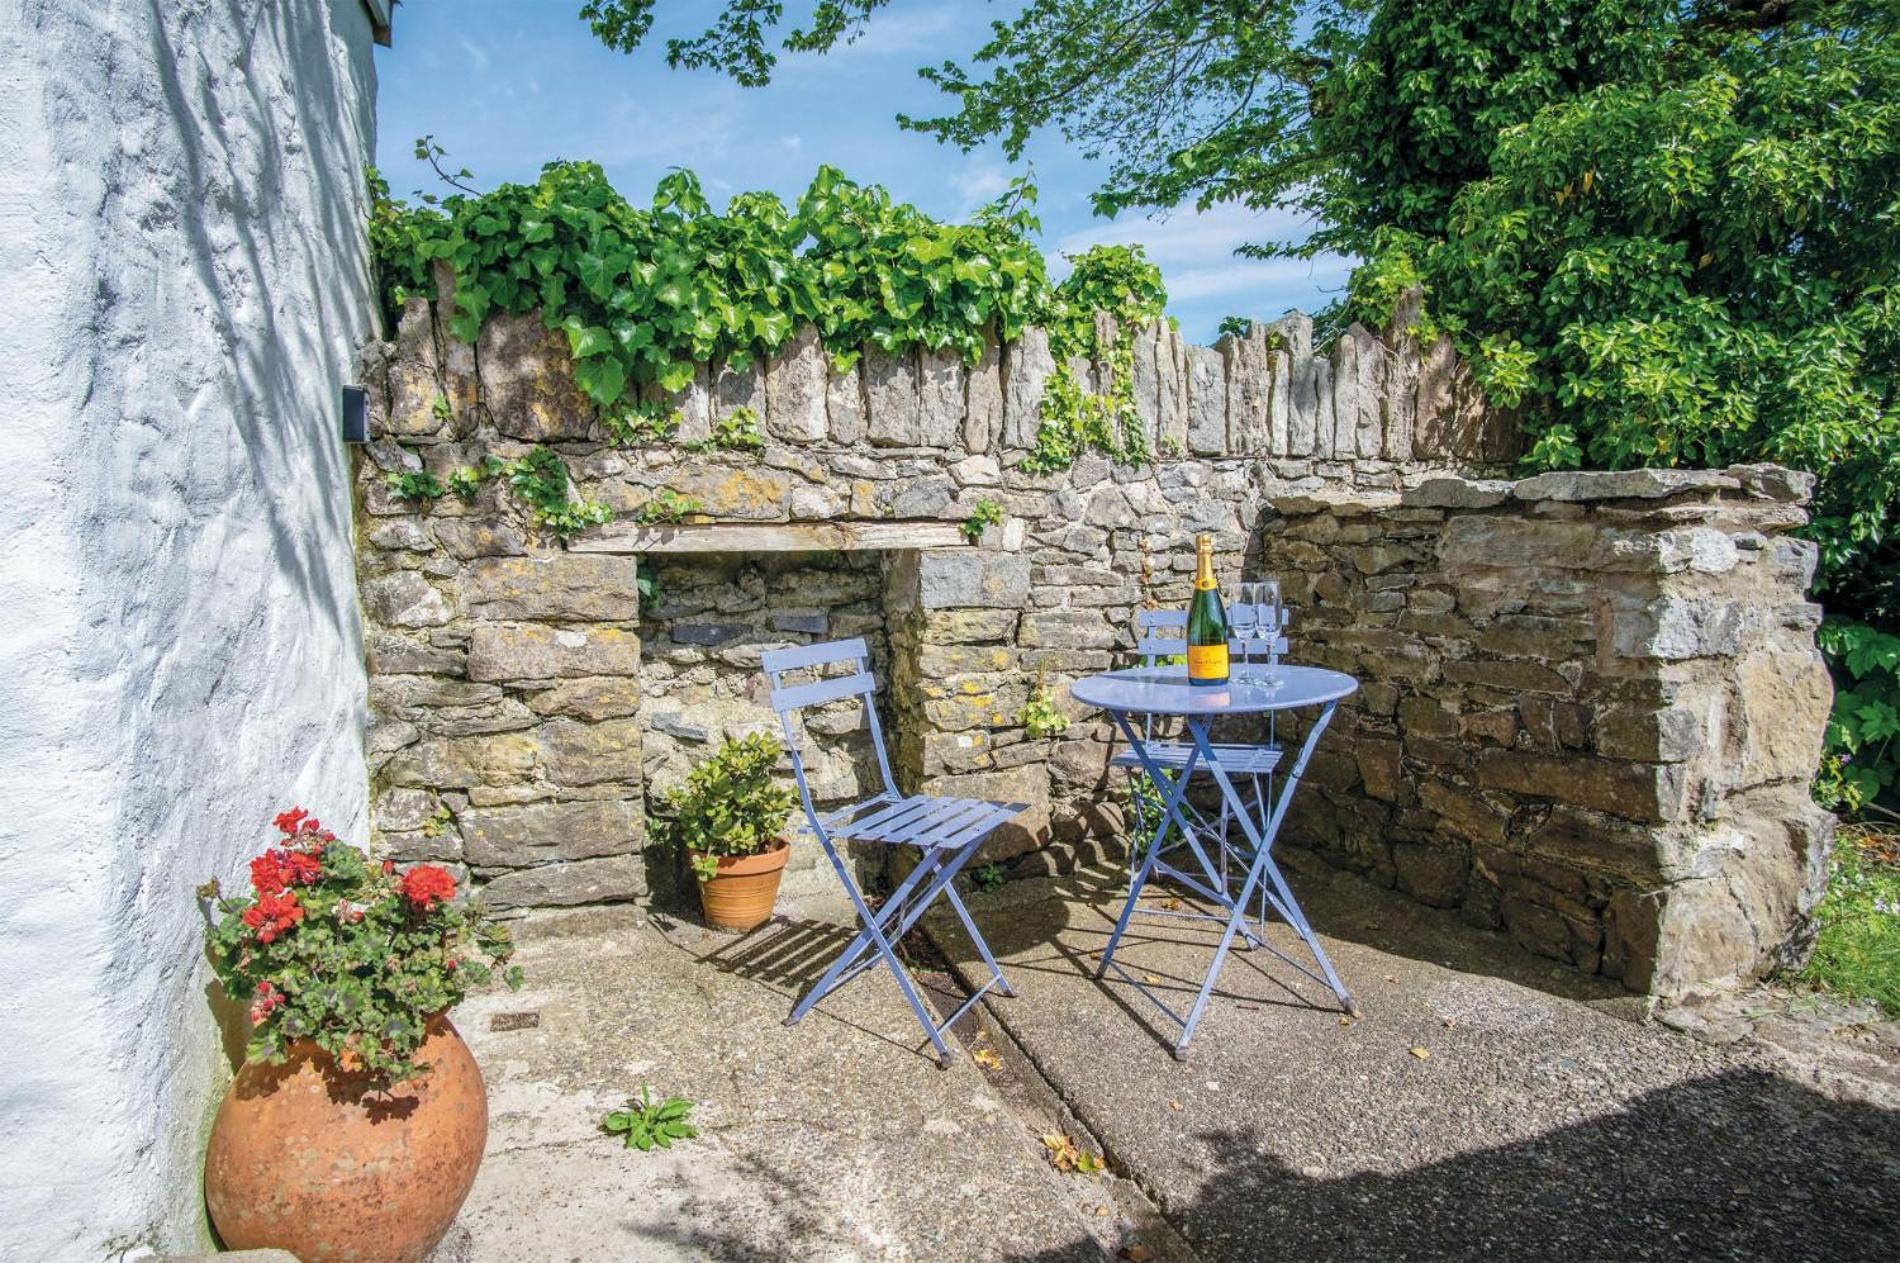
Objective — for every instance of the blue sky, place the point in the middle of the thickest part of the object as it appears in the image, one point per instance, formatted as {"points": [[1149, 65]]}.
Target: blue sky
{"points": [[507, 85]]}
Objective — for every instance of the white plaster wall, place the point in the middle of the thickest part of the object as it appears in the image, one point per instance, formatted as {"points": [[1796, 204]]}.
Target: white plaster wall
{"points": [[183, 275]]}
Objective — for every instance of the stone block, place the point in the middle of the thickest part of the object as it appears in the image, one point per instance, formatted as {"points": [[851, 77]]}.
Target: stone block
{"points": [[533, 652], [1623, 484], [1171, 401], [1027, 368], [941, 395], [517, 837], [969, 626], [1433, 873], [1068, 629], [1673, 629], [1207, 401], [459, 762], [1654, 734], [795, 390], [1380, 770], [1774, 482], [983, 400], [893, 408], [577, 587], [1785, 698], [1645, 792], [573, 753], [609, 879], [470, 537], [1468, 815], [734, 388], [605, 697], [528, 381], [1458, 493], [844, 404], [1249, 368], [961, 580], [404, 599]]}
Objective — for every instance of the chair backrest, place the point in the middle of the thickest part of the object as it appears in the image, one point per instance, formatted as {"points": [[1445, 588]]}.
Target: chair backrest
{"points": [[789, 698], [1163, 633]]}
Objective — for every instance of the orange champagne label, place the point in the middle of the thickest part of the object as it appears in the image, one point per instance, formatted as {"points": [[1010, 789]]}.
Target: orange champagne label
{"points": [[1207, 662]]}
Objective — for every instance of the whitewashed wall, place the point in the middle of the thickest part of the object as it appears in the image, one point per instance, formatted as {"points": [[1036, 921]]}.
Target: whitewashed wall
{"points": [[184, 275]]}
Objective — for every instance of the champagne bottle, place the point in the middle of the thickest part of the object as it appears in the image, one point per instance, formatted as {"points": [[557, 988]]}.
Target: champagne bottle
{"points": [[1207, 621]]}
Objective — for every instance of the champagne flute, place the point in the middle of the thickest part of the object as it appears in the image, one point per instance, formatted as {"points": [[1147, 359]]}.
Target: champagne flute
{"points": [[1245, 617], [1267, 620]]}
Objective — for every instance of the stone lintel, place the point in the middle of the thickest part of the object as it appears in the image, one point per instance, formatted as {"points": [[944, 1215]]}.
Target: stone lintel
{"points": [[795, 537]]}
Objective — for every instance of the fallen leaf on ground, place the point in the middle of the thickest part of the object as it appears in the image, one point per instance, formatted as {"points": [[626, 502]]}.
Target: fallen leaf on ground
{"points": [[1172, 905], [1391, 977], [1101, 1212], [1150, 979], [1422, 1053], [1450, 1022], [1137, 1254], [987, 1059], [1345, 1021], [1064, 1155], [1176, 1105]]}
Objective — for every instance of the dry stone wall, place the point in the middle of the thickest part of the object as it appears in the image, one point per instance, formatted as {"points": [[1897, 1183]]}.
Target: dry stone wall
{"points": [[529, 711], [1591, 708]]}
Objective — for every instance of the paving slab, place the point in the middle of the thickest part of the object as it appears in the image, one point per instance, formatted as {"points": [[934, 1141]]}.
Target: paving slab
{"points": [[1487, 1105], [835, 1139]]}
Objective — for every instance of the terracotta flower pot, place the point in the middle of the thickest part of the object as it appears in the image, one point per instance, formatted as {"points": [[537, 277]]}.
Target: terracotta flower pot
{"points": [[308, 1158], [742, 894]]}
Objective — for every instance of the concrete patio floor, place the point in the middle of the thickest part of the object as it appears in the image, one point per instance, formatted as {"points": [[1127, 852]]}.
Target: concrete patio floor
{"points": [[1543, 1120], [1546, 1121], [836, 1139]]}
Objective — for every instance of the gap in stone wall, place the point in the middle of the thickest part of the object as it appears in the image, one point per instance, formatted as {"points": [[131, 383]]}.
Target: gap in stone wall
{"points": [[704, 631]]}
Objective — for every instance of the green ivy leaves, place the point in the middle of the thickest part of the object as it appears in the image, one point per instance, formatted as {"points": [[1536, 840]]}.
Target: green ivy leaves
{"points": [[643, 295]]}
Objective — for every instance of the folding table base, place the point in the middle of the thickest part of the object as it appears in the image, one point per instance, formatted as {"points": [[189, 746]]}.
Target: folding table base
{"points": [[1263, 874]]}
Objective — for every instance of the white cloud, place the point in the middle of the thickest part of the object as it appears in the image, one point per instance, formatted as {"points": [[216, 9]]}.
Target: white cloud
{"points": [[793, 143], [477, 55], [976, 182], [1195, 251], [910, 30]]}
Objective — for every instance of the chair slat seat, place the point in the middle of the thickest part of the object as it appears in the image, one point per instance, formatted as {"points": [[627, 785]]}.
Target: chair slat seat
{"points": [[921, 820], [1238, 760]]}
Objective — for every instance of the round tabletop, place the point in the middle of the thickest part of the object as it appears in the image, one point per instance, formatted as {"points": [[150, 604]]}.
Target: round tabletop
{"points": [[1166, 691]]}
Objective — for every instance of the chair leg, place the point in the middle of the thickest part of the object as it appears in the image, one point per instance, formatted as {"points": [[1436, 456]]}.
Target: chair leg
{"points": [[983, 949], [863, 941]]}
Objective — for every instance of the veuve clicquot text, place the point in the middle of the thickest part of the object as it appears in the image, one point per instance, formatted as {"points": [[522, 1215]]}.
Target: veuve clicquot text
{"points": [[1207, 620]]}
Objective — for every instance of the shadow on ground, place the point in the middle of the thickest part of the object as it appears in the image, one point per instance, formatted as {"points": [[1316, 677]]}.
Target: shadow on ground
{"points": [[1743, 1165]]}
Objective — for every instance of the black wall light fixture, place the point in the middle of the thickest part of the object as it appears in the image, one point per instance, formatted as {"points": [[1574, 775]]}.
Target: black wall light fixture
{"points": [[355, 414]]}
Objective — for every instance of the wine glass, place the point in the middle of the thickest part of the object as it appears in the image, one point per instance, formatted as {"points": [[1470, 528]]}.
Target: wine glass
{"points": [[1244, 616], [1268, 616]]}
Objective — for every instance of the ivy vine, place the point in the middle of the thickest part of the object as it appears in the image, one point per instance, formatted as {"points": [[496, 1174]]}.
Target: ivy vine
{"points": [[644, 295], [539, 480]]}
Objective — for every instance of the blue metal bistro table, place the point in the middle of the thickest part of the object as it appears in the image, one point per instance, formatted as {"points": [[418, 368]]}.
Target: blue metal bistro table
{"points": [[1146, 691]]}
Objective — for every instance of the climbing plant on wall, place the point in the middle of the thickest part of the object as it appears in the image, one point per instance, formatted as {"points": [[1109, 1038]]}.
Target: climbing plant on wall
{"points": [[644, 294]]}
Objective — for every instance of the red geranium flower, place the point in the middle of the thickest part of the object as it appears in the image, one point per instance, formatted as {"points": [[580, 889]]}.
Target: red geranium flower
{"points": [[273, 914], [425, 885], [299, 866], [267, 875], [288, 822]]}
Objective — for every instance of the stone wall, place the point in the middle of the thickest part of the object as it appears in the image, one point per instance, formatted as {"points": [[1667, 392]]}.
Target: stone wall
{"points": [[1591, 708], [184, 255], [529, 711]]}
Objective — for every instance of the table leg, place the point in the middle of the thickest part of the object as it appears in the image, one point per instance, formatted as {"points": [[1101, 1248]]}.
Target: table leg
{"points": [[1262, 841], [1170, 813]]}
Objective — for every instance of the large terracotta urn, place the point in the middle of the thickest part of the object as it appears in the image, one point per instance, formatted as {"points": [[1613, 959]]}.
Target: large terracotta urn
{"points": [[309, 1158]]}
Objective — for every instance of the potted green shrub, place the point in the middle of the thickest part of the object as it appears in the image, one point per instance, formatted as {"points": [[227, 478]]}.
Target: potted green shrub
{"points": [[730, 818]]}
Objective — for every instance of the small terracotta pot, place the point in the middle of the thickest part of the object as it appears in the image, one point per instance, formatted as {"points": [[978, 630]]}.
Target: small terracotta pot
{"points": [[309, 1158], [742, 894]]}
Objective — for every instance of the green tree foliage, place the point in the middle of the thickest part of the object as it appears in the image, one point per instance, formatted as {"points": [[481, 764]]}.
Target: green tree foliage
{"points": [[1667, 231]]}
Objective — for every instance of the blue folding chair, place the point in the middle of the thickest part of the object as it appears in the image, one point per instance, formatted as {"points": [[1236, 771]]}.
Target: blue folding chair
{"points": [[1163, 634], [946, 830]]}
